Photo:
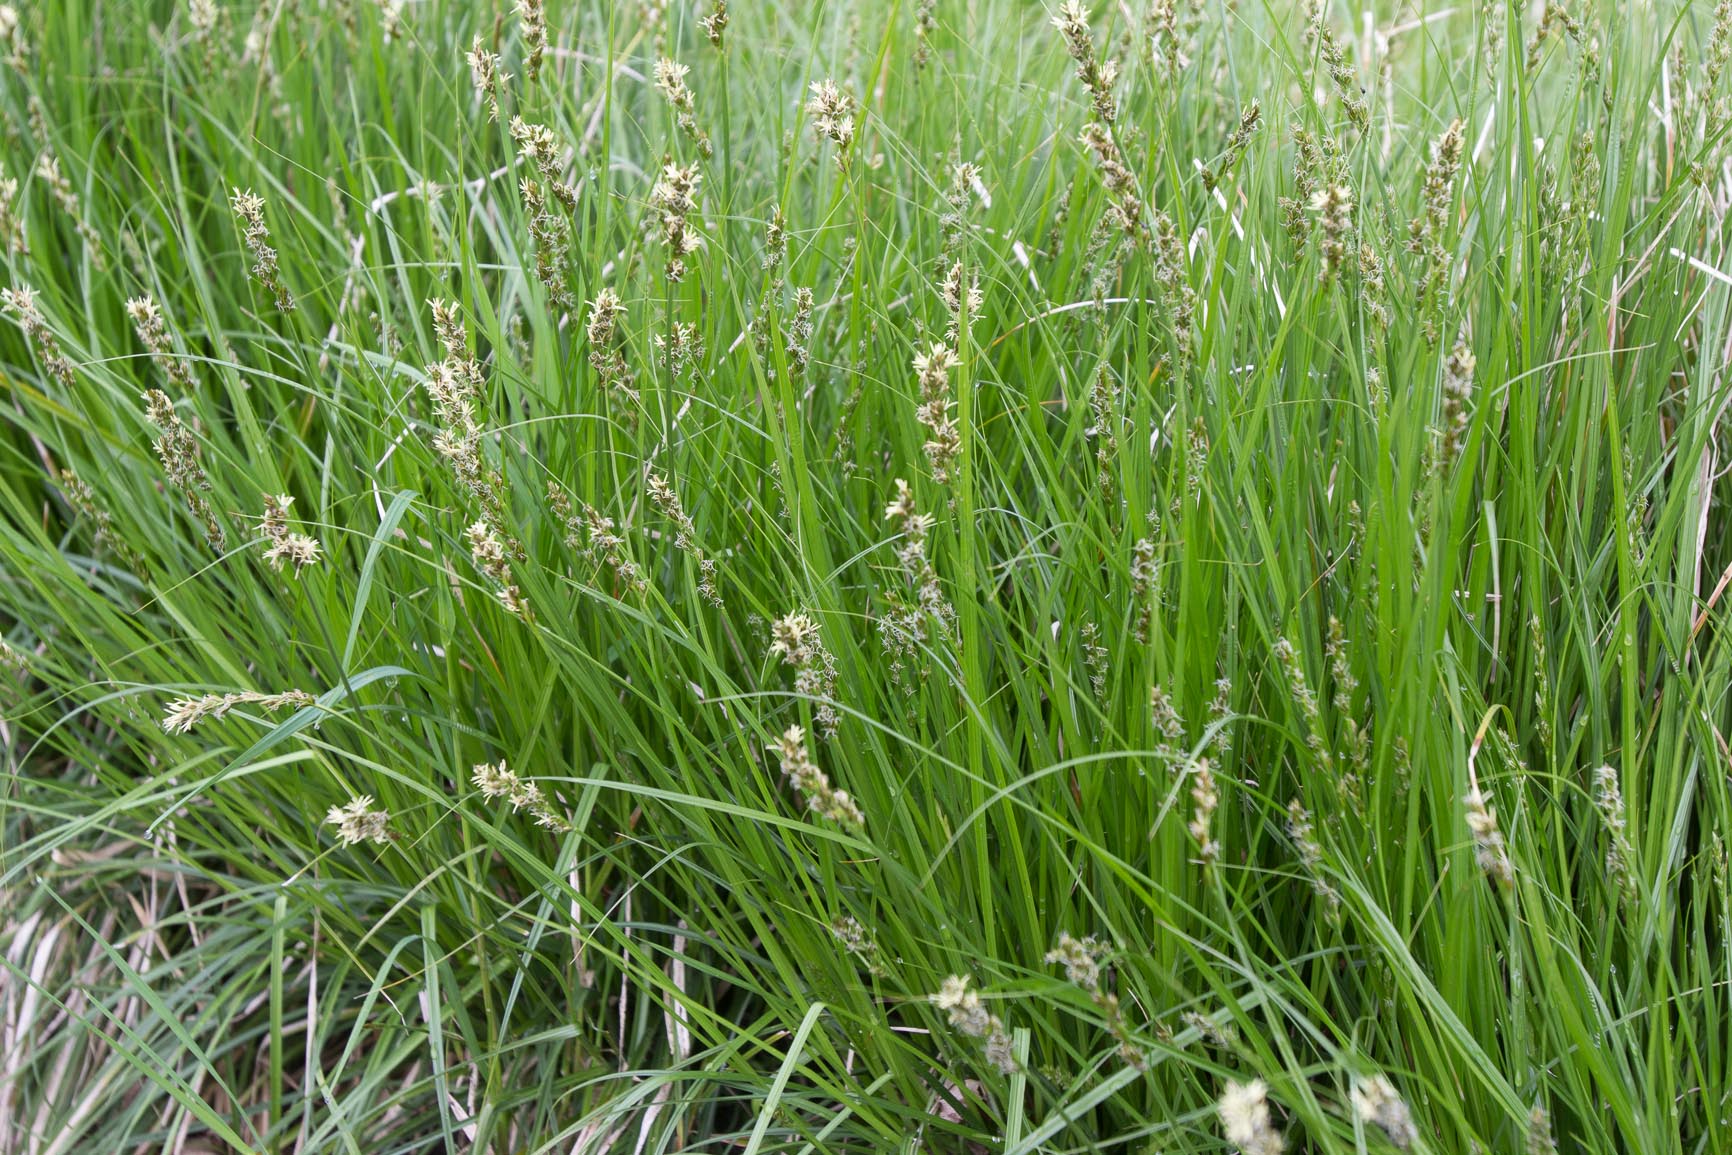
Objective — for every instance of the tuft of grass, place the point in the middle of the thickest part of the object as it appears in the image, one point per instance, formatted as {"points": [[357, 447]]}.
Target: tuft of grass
{"points": [[863, 576]]}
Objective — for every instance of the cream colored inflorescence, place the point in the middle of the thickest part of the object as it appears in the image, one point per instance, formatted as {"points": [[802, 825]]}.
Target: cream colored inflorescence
{"points": [[1097, 76], [497, 781], [795, 640], [250, 210], [300, 549], [178, 451], [671, 82], [1081, 959], [832, 111], [359, 821], [152, 329], [532, 23], [21, 303], [1376, 1101], [814, 785], [485, 74], [664, 497], [674, 200], [1246, 1121], [1489, 848], [182, 714], [968, 1016]]}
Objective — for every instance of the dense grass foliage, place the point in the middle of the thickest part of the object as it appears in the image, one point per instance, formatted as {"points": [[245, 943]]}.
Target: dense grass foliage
{"points": [[959, 576]]}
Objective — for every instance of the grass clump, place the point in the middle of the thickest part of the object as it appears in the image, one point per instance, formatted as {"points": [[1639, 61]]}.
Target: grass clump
{"points": [[864, 576]]}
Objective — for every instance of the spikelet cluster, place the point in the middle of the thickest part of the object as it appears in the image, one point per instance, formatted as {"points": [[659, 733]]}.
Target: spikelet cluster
{"points": [[286, 546], [391, 20], [1299, 689], [1542, 683], [944, 437], [1304, 835], [775, 240], [797, 332], [1489, 849], [966, 1013], [953, 224], [1237, 143], [532, 24], [592, 535], [857, 941], [1355, 740], [82, 499], [961, 296], [1104, 408], [1145, 585], [1458, 370], [1246, 1121], [1124, 203], [1096, 659], [1081, 959], [606, 355], [1168, 727], [1096, 75], [48, 172], [1308, 167], [1178, 299], [1719, 43], [12, 33], [497, 781], [178, 452], [832, 112], [454, 385], [925, 24], [1718, 57], [491, 558], [1428, 232], [813, 784], [485, 74], [547, 232], [11, 217], [21, 303], [201, 17], [548, 228], [671, 83], [917, 614], [1333, 207], [1341, 677], [1620, 856], [255, 49], [1540, 1140], [716, 23], [1205, 799], [664, 497], [1345, 78], [681, 348], [152, 330], [358, 822], [674, 200], [1554, 20], [1220, 722], [1165, 38], [1376, 1101], [794, 639], [1373, 293], [182, 714], [537, 144], [249, 209], [1215, 1029]]}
